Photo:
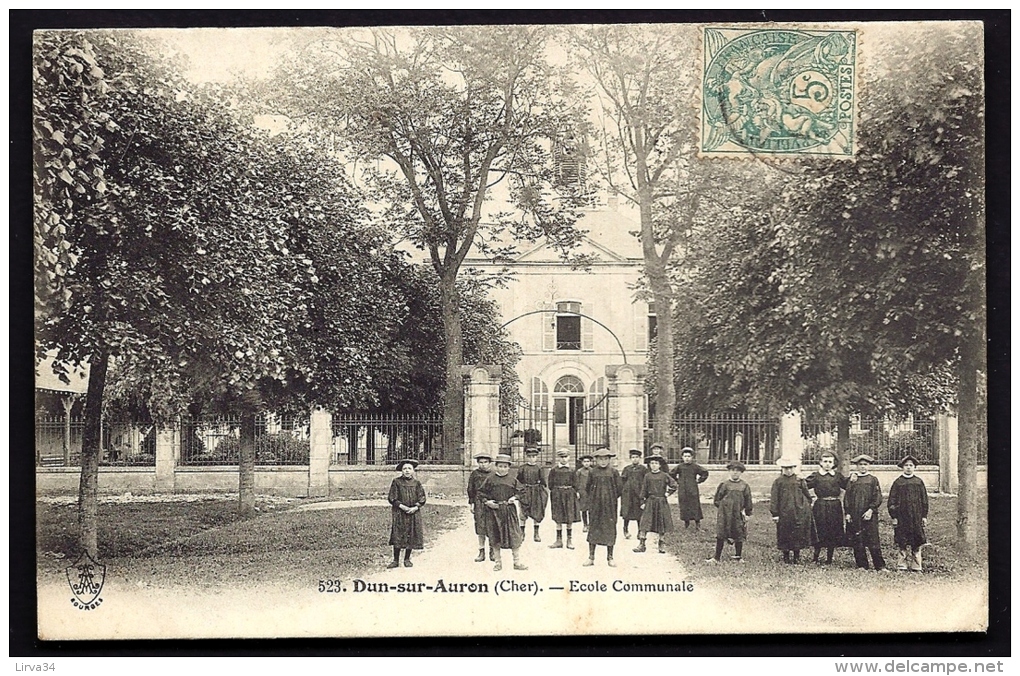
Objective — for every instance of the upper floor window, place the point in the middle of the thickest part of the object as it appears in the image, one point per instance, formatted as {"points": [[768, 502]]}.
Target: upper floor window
{"points": [[568, 326]]}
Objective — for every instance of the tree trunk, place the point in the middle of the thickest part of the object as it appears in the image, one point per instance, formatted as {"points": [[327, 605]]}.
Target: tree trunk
{"points": [[453, 396], [967, 504], [246, 465], [665, 383], [88, 486]]}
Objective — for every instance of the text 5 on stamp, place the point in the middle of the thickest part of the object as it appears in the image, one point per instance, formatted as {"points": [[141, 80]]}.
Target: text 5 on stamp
{"points": [[779, 92]]}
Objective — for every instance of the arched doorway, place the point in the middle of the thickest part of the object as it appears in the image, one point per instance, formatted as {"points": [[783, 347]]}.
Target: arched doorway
{"points": [[568, 411]]}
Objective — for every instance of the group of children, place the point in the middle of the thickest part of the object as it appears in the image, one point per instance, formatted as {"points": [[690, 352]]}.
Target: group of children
{"points": [[823, 520], [597, 496]]}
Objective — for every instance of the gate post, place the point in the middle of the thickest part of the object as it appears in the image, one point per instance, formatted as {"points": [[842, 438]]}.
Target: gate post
{"points": [[481, 411], [791, 442], [947, 429], [167, 454], [626, 387], [320, 444]]}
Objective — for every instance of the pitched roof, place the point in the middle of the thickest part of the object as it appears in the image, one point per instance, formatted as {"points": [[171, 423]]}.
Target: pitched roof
{"points": [[47, 379]]}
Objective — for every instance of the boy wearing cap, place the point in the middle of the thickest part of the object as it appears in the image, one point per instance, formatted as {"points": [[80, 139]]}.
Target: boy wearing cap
{"points": [[733, 509], [406, 497], [500, 495], [604, 488], [862, 500], [563, 498], [535, 495], [655, 515], [908, 507], [475, 481], [688, 475], [827, 509], [582, 487], [790, 504], [630, 503]]}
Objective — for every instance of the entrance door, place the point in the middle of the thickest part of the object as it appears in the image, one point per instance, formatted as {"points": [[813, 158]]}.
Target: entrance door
{"points": [[568, 417]]}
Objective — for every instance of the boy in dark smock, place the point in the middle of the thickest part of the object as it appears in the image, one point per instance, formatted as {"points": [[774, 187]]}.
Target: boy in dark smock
{"points": [[827, 509], [406, 498], [862, 500], [500, 493], [630, 503], [790, 504], [689, 475], [604, 489], [733, 509], [475, 481], [908, 507], [655, 515], [535, 494], [563, 498], [582, 487]]}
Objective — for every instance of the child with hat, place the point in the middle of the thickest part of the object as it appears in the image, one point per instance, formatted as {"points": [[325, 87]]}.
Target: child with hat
{"points": [[790, 504], [500, 494], [688, 475], [583, 472], [862, 500], [406, 497], [535, 494], [827, 484], [733, 509], [655, 515], [604, 489], [475, 481], [908, 507], [630, 503], [563, 498]]}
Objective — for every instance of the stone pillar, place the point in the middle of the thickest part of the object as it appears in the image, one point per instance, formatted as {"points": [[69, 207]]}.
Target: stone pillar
{"points": [[167, 454], [791, 443], [626, 387], [481, 411], [947, 427], [320, 445]]}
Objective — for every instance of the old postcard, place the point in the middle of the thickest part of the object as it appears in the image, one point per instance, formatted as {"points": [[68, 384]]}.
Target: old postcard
{"points": [[510, 330]]}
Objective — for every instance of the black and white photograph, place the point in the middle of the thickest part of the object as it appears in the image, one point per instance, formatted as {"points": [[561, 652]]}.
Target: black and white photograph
{"points": [[551, 329]]}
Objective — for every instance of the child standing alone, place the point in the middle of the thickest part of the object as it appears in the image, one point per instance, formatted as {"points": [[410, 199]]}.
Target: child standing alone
{"points": [[733, 505], [406, 497], [908, 507]]}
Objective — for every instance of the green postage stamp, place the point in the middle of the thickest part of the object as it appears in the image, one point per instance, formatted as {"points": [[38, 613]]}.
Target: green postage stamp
{"points": [[779, 92]]}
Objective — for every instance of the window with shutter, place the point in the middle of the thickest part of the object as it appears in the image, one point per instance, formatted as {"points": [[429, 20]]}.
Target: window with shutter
{"points": [[548, 331], [539, 399], [588, 329], [640, 327]]}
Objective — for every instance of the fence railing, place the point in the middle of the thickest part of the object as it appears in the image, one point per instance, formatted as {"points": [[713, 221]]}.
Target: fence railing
{"points": [[279, 440], [885, 440], [58, 442], [719, 438], [382, 440]]}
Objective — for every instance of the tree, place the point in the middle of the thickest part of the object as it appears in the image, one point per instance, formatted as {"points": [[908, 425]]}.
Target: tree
{"points": [[644, 78], [437, 118]]}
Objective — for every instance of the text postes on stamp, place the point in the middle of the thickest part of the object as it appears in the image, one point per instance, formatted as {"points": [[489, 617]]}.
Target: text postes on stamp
{"points": [[778, 92]]}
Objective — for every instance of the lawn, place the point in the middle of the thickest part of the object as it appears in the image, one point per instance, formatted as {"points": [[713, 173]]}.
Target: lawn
{"points": [[205, 543]]}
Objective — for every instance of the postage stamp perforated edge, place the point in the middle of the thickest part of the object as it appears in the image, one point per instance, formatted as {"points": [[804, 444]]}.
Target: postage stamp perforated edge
{"points": [[734, 151]]}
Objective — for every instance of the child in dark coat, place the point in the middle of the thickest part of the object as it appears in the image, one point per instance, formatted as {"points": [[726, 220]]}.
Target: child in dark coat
{"points": [[862, 500], [689, 475], [827, 484], [630, 501], [406, 497], [655, 515], [563, 498], [603, 489], [908, 507], [790, 504], [583, 472], [535, 495], [475, 481], [500, 493], [733, 505]]}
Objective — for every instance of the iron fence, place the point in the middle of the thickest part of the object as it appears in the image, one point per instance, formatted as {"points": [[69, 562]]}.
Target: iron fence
{"points": [[58, 442], [887, 441], [385, 439], [208, 440], [720, 438], [577, 426]]}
